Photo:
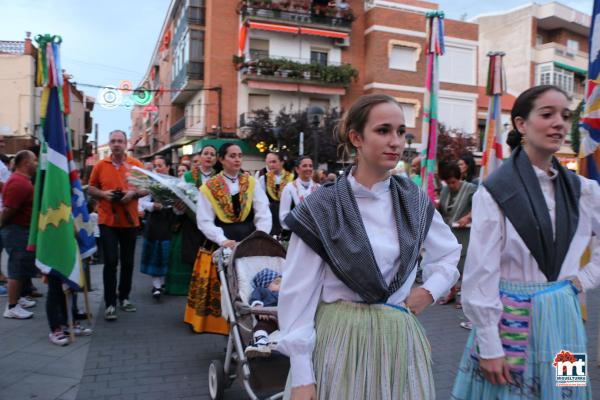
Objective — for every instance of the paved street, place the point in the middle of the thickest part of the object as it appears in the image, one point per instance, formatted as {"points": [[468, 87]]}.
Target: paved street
{"points": [[152, 354]]}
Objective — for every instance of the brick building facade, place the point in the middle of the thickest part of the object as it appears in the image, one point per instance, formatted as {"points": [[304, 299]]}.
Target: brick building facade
{"points": [[229, 57]]}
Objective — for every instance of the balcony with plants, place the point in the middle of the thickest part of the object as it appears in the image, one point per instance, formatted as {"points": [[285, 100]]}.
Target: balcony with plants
{"points": [[287, 70], [299, 13]]}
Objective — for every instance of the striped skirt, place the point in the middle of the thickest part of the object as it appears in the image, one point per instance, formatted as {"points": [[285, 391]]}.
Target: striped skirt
{"points": [[373, 352], [538, 321]]}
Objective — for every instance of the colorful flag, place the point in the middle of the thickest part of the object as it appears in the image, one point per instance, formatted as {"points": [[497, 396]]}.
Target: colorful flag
{"points": [[589, 124], [53, 231], [496, 86], [435, 48]]}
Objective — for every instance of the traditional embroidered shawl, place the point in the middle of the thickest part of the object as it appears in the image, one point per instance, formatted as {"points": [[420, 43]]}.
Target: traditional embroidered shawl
{"points": [[271, 183], [217, 192], [516, 189], [329, 222], [313, 188]]}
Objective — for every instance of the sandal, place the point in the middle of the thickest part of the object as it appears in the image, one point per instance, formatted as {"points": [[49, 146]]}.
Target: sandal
{"points": [[450, 298], [447, 300]]}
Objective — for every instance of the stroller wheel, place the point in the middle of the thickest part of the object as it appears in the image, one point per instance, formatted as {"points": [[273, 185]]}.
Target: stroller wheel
{"points": [[216, 380]]}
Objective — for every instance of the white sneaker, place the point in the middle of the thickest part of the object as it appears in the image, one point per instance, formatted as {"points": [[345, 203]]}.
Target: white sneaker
{"points": [[58, 338], [80, 330], [23, 302], [110, 314], [17, 312], [260, 348]]}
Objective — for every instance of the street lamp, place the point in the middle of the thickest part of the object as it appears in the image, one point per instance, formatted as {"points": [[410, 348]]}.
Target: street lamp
{"points": [[315, 116]]}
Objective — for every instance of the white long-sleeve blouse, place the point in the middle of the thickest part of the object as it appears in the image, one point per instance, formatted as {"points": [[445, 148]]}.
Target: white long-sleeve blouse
{"points": [[308, 280], [205, 215], [296, 192], [496, 251]]}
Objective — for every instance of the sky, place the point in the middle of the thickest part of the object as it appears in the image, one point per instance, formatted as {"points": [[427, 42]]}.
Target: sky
{"points": [[107, 41]]}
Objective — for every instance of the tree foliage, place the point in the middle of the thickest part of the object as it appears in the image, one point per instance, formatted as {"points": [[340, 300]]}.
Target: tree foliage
{"points": [[281, 133], [575, 135], [453, 143]]}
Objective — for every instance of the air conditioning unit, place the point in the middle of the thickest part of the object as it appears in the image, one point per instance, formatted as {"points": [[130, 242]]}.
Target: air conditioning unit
{"points": [[339, 42]]}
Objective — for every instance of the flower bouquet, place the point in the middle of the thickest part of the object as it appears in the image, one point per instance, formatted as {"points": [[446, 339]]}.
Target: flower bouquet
{"points": [[166, 189]]}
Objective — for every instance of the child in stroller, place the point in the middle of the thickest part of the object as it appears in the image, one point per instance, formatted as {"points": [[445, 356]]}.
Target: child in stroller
{"points": [[265, 294]]}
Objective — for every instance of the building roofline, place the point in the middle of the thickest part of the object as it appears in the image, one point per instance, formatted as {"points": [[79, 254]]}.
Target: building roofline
{"points": [[498, 13], [159, 40]]}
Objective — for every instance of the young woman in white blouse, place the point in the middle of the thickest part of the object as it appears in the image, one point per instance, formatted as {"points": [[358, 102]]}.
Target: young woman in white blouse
{"points": [[273, 182], [532, 221], [295, 193], [231, 206], [347, 302]]}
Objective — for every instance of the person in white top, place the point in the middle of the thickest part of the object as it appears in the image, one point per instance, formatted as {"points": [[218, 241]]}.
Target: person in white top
{"points": [[231, 205], [347, 304], [532, 221], [273, 182], [295, 193]]}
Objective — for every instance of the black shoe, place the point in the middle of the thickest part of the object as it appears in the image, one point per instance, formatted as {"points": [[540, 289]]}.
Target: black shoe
{"points": [[156, 292]]}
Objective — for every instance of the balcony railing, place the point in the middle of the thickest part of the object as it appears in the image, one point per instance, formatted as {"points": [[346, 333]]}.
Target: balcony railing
{"points": [[191, 15], [192, 71], [328, 17], [283, 69]]}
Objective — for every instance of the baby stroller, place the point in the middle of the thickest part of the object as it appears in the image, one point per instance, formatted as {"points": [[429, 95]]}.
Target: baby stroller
{"points": [[260, 376]]}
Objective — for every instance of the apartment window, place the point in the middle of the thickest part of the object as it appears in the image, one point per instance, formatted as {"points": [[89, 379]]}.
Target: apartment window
{"points": [[319, 56], [457, 113], [563, 79], [257, 102], [259, 48], [197, 45], [550, 74], [457, 65], [545, 74], [410, 116], [403, 58], [572, 47]]}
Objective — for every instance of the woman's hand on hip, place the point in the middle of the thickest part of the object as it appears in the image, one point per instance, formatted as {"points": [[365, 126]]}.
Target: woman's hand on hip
{"points": [[418, 300], [496, 371], [306, 392]]}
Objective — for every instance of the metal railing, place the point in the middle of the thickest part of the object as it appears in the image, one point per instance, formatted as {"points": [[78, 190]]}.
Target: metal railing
{"points": [[296, 17], [12, 47]]}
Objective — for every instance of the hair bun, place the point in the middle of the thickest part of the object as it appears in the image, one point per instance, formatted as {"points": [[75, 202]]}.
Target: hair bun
{"points": [[513, 140]]}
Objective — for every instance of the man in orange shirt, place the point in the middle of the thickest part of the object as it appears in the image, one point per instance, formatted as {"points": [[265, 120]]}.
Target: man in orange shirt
{"points": [[118, 220]]}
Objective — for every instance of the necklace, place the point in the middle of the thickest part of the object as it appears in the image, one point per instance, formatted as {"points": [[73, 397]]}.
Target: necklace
{"points": [[230, 178], [206, 176]]}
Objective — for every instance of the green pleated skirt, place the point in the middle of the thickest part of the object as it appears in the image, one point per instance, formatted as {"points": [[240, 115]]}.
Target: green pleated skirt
{"points": [[179, 273], [375, 352]]}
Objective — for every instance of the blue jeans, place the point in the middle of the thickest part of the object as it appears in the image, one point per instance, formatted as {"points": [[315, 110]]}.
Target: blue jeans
{"points": [[21, 263]]}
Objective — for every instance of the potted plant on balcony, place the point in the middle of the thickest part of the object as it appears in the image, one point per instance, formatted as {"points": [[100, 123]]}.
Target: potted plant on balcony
{"points": [[238, 61], [284, 68], [316, 71], [251, 64]]}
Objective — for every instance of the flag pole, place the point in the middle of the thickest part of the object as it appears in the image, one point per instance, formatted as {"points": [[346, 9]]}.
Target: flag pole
{"points": [[495, 88], [429, 133]]}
